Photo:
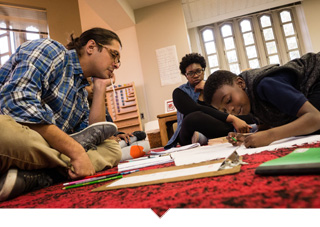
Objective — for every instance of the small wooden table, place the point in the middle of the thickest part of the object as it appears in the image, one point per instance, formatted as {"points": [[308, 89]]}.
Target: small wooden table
{"points": [[165, 124]]}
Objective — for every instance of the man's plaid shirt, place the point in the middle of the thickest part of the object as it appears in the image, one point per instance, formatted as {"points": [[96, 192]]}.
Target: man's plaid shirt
{"points": [[43, 83]]}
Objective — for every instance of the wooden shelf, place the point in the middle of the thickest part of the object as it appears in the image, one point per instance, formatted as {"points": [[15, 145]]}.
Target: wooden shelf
{"points": [[125, 112], [130, 125], [127, 106], [122, 87], [123, 107], [124, 119]]}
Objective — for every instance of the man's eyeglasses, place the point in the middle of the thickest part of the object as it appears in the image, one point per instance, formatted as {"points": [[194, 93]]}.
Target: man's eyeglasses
{"points": [[115, 54], [193, 73]]}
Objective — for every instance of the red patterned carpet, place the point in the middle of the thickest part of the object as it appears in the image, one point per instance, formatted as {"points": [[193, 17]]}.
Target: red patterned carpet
{"points": [[241, 190]]}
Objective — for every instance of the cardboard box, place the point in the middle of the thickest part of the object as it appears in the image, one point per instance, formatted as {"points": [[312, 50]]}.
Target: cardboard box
{"points": [[154, 139]]}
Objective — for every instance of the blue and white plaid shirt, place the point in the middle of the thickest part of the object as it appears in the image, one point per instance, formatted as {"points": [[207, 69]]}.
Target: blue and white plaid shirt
{"points": [[43, 83]]}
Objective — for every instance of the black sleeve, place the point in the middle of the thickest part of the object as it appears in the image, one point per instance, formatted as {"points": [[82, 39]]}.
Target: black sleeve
{"points": [[185, 105]]}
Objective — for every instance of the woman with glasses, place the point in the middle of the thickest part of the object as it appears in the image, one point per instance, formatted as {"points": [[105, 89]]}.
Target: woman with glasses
{"points": [[197, 121]]}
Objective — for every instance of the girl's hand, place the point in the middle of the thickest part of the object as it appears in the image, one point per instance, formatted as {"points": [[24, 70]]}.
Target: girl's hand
{"points": [[258, 139], [240, 125]]}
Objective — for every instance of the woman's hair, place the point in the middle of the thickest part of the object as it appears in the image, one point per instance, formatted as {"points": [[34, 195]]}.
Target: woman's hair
{"points": [[190, 59], [215, 81], [99, 35]]}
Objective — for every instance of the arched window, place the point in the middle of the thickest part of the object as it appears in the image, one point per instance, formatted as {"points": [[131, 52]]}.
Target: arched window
{"points": [[211, 50], [230, 48], [249, 43], [269, 39], [253, 41], [290, 34]]}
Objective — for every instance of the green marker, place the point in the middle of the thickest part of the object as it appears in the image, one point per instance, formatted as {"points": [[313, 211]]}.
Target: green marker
{"points": [[234, 139], [93, 182]]}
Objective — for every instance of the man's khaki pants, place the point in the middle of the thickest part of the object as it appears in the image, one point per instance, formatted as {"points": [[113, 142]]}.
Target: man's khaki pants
{"points": [[24, 148]]}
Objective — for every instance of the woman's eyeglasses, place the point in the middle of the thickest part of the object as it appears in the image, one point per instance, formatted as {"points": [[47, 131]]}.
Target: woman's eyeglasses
{"points": [[193, 73]]}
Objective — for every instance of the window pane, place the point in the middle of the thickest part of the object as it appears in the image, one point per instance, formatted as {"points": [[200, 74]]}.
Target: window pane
{"points": [[268, 34], [254, 64], [213, 61], [213, 70], [226, 30], [288, 29], [2, 25], [274, 59], [210, 48], [232, 56], [4, 48], [294, 54], [271, 47], [285, 16], [4, 59], [245, 26], [12, 41], [234, 68], [251, 52], [265, 21], [292, 43], [32, 36], [229, 43], [248, 38], [207, 35]]}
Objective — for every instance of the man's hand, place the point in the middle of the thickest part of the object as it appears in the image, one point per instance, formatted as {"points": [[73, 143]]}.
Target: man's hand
{"points": [[62, 142], [82, 166]]}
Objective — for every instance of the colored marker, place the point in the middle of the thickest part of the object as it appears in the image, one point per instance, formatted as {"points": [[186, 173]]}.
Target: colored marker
{"points": [[132, 171], [101, 174], [89, 179], [234, 139], [93, 182]]}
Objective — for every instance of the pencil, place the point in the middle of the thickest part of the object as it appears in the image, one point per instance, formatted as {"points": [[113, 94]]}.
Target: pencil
{"points": [[101, 174], [90, 179], [93, 182]]}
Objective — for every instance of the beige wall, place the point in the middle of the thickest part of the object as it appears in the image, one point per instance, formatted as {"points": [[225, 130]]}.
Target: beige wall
{"points": [[63, 16], [159, 26], [89, 18], [312, 14], [130, 70]]}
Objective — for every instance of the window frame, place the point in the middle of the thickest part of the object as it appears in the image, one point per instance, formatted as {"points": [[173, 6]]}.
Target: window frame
{"points": [[262, 53]]}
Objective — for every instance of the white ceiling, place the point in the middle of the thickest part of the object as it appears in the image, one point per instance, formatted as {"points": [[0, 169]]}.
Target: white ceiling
{"points": [[196, 12], [202, 12]]}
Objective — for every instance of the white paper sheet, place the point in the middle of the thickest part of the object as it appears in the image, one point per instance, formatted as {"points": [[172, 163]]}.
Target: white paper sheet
{"points": [[207, 153], [144, 163], [168, 65], [287, 142], [166, 175], [202, 154], [174, 149]]}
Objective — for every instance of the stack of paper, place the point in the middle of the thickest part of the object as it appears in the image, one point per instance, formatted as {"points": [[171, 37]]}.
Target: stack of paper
{"points": [[202, 154], [144, 163], [287, 142], [174, 149], [166, 175]]}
